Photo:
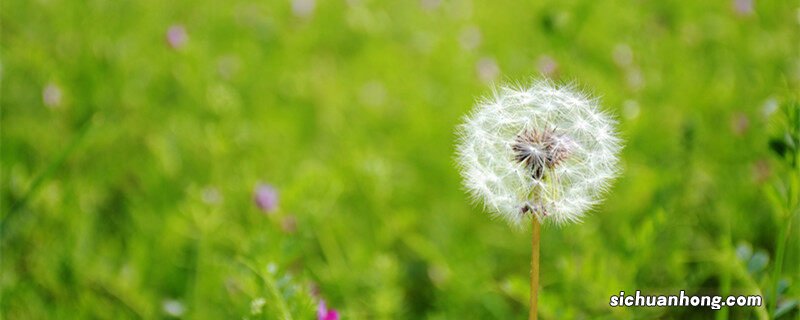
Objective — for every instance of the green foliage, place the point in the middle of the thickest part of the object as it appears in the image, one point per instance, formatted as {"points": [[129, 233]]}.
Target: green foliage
{"points": [[129, 162]]}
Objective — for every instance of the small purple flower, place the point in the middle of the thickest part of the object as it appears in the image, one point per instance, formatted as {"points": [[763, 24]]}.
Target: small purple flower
{"points": [[51, 95], [303, 8], [289, 224], [177, 36], [323, 313], [266, 197], [487, 69], [740, 123], [470, 38], [547, 65], [743, 7]]}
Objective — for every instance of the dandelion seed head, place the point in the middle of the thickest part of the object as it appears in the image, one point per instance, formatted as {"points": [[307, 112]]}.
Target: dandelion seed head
{"points": [[542, 150]]}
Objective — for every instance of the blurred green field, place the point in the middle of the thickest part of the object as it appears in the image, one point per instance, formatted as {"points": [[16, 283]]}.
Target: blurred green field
{"points": [[135, 132]]}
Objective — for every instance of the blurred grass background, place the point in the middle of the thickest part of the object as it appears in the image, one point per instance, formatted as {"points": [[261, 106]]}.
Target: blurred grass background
{"points": [[134, 134]]}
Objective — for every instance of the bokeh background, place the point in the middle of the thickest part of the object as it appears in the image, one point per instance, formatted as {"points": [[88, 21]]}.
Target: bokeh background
{"points": [[137, 136]]}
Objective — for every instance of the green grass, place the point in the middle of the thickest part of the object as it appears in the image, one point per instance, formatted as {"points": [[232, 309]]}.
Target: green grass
{"points": [[108, 198]]}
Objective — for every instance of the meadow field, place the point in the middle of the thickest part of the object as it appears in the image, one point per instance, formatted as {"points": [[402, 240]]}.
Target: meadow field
{"points": [[252, 159]]}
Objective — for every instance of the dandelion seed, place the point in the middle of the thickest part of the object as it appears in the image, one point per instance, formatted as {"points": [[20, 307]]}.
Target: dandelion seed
{"points": [[266, 197], [541, 151]]}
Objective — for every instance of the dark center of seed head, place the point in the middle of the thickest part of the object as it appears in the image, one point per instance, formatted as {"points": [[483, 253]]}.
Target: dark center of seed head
{"points": [[539, 150]]}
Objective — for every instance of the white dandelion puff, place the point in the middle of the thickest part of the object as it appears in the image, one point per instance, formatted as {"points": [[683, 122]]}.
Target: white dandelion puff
{"points": [[541, 150]]}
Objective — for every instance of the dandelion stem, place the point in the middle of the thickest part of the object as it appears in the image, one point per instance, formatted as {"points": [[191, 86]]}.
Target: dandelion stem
{"points": [[534, 269]]}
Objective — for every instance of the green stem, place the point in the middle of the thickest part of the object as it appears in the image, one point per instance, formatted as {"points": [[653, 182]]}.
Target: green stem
{"points": [[793, 114], [535, 236], [273, 289], [6, 222], [740, 272], [776, 273], [284, 309]]}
